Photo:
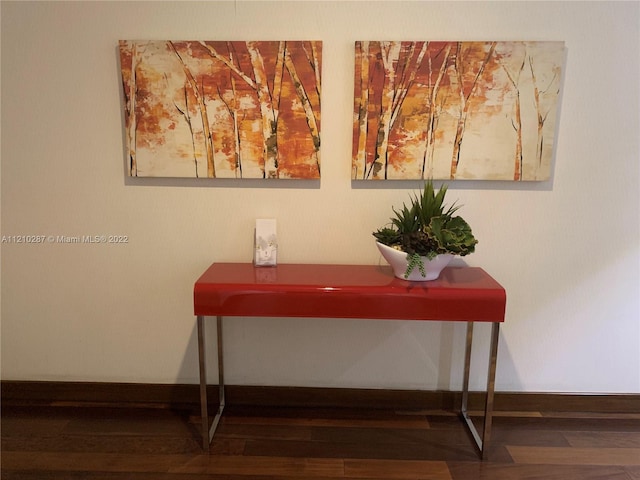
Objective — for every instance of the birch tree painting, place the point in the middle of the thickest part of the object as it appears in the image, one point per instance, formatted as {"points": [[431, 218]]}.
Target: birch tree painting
{"points": [[455, 110], [222, 109]]}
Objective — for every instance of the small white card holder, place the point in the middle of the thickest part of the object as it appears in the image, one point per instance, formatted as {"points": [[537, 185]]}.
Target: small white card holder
{"points": [[265, 243]]}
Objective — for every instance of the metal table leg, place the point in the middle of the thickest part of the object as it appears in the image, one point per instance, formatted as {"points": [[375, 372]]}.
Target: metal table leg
{"points": [[208, 432], [481, 442]]}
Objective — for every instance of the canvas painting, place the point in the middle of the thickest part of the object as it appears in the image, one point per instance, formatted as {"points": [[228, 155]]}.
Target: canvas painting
{"points": [[222, 109], [455, 110]]}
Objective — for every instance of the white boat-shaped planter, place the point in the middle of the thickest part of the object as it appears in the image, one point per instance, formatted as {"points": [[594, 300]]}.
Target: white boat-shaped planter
{"points": [[398, 261]]}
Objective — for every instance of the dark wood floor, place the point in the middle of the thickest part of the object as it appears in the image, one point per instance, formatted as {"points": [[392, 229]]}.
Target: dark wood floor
{"points": [[73, 442]]}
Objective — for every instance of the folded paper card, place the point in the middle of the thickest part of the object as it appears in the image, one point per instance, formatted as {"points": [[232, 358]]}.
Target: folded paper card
{"points": [[266, 245]]}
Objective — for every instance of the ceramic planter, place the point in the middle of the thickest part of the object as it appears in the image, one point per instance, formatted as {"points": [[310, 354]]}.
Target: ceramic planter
{"points": [[398, 261]]}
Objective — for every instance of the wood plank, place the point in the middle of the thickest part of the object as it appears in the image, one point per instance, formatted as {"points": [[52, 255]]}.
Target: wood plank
{"points": [[178, 464], [372, 448], [266, 466], [562, 402], [92, 443], [594, 415], [521, 413], [582, 424], [396, 469], [26, 475], [603, 439], [40, 475], [346, 398], [634, 472], [100, 393], [134, 422], [393, 421], [497, 471], [528, 437], [101, 462], [264, 432], [395, 436], [575, 456], [31, 423], [275, 443]]}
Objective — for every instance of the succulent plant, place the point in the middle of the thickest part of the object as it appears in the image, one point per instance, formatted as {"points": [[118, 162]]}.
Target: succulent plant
{"points": [[427, 228]]}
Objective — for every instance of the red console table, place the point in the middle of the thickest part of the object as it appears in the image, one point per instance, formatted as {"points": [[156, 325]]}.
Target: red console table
{"points": [[466, 294]]}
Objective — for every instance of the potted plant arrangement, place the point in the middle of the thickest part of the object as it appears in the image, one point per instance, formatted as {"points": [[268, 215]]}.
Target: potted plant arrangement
{"points": [[424, 237]]}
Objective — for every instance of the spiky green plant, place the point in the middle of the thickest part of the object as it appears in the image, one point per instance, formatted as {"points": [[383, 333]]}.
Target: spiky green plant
{"points": [[427, 228]]}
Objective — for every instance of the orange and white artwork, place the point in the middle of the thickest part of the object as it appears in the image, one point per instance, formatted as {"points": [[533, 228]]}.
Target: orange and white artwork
{"points": [[219, 109], [455, 110]]}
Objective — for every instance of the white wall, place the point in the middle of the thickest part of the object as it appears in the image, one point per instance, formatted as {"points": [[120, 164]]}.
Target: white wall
{"points": [[567, 250]]}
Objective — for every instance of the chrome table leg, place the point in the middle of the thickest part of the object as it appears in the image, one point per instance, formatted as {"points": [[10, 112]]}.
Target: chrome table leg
{"points": [[204, 414], [208, 432], [221, 399], [481, 442]]}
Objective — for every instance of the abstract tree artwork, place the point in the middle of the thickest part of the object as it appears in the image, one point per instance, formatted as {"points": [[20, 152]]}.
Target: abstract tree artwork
{"points": [[455, 110], [222, 109]]}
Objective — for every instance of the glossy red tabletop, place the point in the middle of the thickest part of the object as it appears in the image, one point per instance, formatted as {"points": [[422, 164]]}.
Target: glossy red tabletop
{"points": [[346, 291]]}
